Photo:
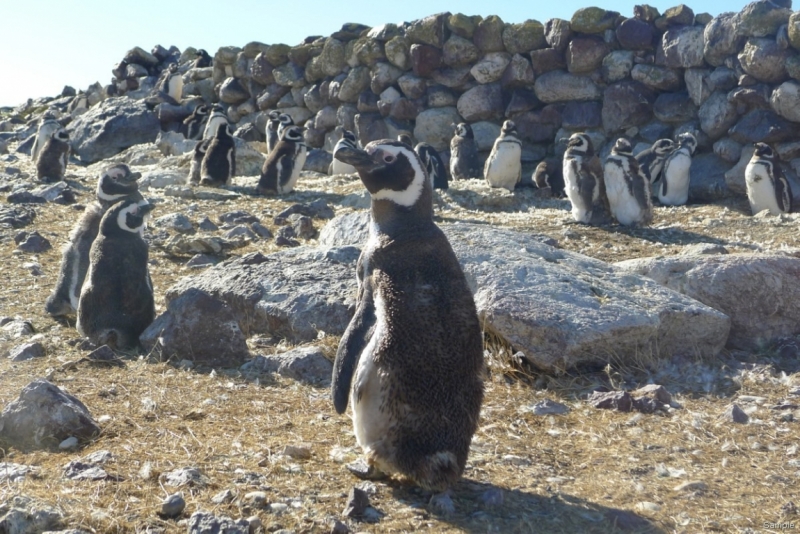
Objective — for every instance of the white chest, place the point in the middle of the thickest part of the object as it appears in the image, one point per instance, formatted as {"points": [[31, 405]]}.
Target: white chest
{"points": [[504, 166], [676, 176], [760, 190]]}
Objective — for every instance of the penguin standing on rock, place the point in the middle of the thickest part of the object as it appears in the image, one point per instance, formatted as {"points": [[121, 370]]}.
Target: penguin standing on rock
{"points": [[767, 186], [504, 166], [548, 175], [196, 122], [651, 161], [203, 60], [674, 188], [116, 303], [627, 187], [411, 360], [52, 161], [219, 162], [282, 168], [583, 177], [116, 183], [47, 128], [437, 172], [339, 167], [170, 87], [464, 160]]}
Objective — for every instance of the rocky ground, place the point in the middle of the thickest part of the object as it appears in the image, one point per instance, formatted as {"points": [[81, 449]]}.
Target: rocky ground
{"points": [[271, 450]]}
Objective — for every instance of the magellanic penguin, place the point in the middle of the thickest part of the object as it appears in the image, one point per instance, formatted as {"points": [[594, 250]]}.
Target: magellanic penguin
{"points": [[116, 302], [216, 118], [504, 166], [203, 60], [464, 160], [674, 188], [116, 183], [198, 154], [339, 167], [583, 177], [627, 187], [273, 122], [219, 162], [47, 128], [196, 122], [410, 362], [548, 175], [52, 161], [651, 161], [434, 166], [767, 186], [283, 165], [169, 87], [284, 121]]}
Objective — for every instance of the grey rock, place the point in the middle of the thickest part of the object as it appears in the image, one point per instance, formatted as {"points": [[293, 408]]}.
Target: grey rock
{"points": [[201, 260], [51, 192], [764, 60], [458, 51], [462, 25], [626, 104], [233, 92], [762, 18], [442, 504], [518, 74], [763, 126], [483, 102], [548, 407], [198, 327], [11, 472], [585, 54], [717, 115], [358, 79], [429, 30], [657, 78], [69, 444], [207, 225], [160, 178], [384, 75], [26, 351], [43, 416], [617, 65], [440, 97], [85, 470], [332, 59], [697, 249], [735, 176], [786, 101], [173, 505], [306, 364], [434, 126], [412, 85], [24, 515], [524, 37], [582, 115], [680, 15], [707, 178], [485, 133], [728, 149], [538, 126], [318, 160], [184, 476], [16, 328], [241, 232], [455, 77], [557, 33], [397, 52], [488, 34], [206, 523], [547, 60], [289, 75], [721, 39], [559, 86], [425, 59], [491, 67], [675, 108], [735, 414], [636, 34], [681, 47], [593, 20], [177, 222], [755, 291], [32, 242], [357, 503], [698, 84], [110, 127]]}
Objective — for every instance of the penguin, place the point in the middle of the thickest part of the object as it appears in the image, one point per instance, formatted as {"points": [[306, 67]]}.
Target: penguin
{"points": [[627, 187], [651, 160], [116, 183], [339, 167], [437, 172], [464, 160], [674, 188], [767, 186], [52, 161], [198, 154], [273, 122], [216, 118], [219, 162], [171, 84], [548, 175], [195, 123], [47, 128], [504, 166], [116, 302], [410, 362], [284, 121], [283, 165], [583, 177], [203, 60]]}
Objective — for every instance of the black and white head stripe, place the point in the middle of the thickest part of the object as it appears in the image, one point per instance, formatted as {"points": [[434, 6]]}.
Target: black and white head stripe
{"points": [[663, 146], [117, 182], [133, 215], [580, 142], [763, 150], [464, 130], [293, 133], [622, 146], [509, 127]]}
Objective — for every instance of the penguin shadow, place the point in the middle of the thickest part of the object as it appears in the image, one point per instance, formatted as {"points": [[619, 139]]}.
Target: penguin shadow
{"points": [[479, 507]]}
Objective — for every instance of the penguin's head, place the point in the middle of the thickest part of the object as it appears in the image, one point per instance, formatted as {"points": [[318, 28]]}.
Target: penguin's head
{"points": [[202, 109], [201, 53], [274, 115], [405, 138], [173, 68], [61, 135], [662, 147], [222, 129], [116, 182], [464, 130], [509, 128], [622, 146], [285, 119], [200, 149], [217, 108], [688, 140], [764, 151], [349, 135], [293, 134], [580, 143], [390, 170], [126, 216]]}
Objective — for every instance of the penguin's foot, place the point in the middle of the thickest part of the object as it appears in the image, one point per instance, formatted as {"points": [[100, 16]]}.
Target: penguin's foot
{"points": [[365, 470]]}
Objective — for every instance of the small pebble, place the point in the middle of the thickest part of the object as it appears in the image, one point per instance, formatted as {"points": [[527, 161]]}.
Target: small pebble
{"points": [[298, 452], [694, 485], [256, 498], [278, 507], [222, 497], [442, 503], [357, 502], [173, 505], [69, 443]]}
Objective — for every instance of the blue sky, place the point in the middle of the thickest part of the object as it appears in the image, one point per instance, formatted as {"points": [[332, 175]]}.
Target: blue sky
{"points": [[46, 44]]}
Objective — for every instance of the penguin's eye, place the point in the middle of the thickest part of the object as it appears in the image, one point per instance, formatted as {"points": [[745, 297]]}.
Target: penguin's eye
{"points": [[388, 158]]}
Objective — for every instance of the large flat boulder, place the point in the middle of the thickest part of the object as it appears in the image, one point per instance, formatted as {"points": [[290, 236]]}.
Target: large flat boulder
{"points": [[758, 292]]}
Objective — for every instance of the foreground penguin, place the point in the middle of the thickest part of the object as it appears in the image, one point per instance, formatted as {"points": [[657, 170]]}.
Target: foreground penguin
{"points": [[116, 303], [410, 361], [504, 166], [583, 177], [627, 187], [219, 162], [47, 128], [216, 118], [548, 175], [51, 165], [674, 188], [767, 186], [429, 156], [116, 183], [464, 160], [339, 167], [196, 122], [283, 165], [651, 160]]}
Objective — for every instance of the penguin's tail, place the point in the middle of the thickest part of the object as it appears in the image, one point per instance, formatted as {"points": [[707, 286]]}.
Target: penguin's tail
{"points": [[437, 472]]}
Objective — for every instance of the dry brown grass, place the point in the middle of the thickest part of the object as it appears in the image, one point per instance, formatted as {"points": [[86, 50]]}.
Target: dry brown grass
{"points": [[570, 473]]}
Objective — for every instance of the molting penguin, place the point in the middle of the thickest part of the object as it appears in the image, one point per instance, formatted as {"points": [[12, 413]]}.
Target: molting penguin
{"points": [[504, 166], [339, 167], [464, 160], [198, 154], [674, 188], [219, 162], [583, 177], [767, 186], [216, 118], [627, 187], [273, 122], [116, 183], [52, 161], [196, 122], [410, 362], [651, 160], [437, 172], [548, 175], [283, 165], [47, 128], [116, 303], [203, 59]]}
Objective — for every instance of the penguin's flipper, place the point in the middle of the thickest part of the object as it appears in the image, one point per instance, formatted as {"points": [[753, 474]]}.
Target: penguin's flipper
{"points": [[284, 170], [352, 344], [783, 191]]}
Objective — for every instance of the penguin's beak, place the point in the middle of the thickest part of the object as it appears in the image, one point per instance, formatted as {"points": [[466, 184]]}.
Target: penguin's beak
{"points": [[347, 152], [132, 177], [146, 208]]}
